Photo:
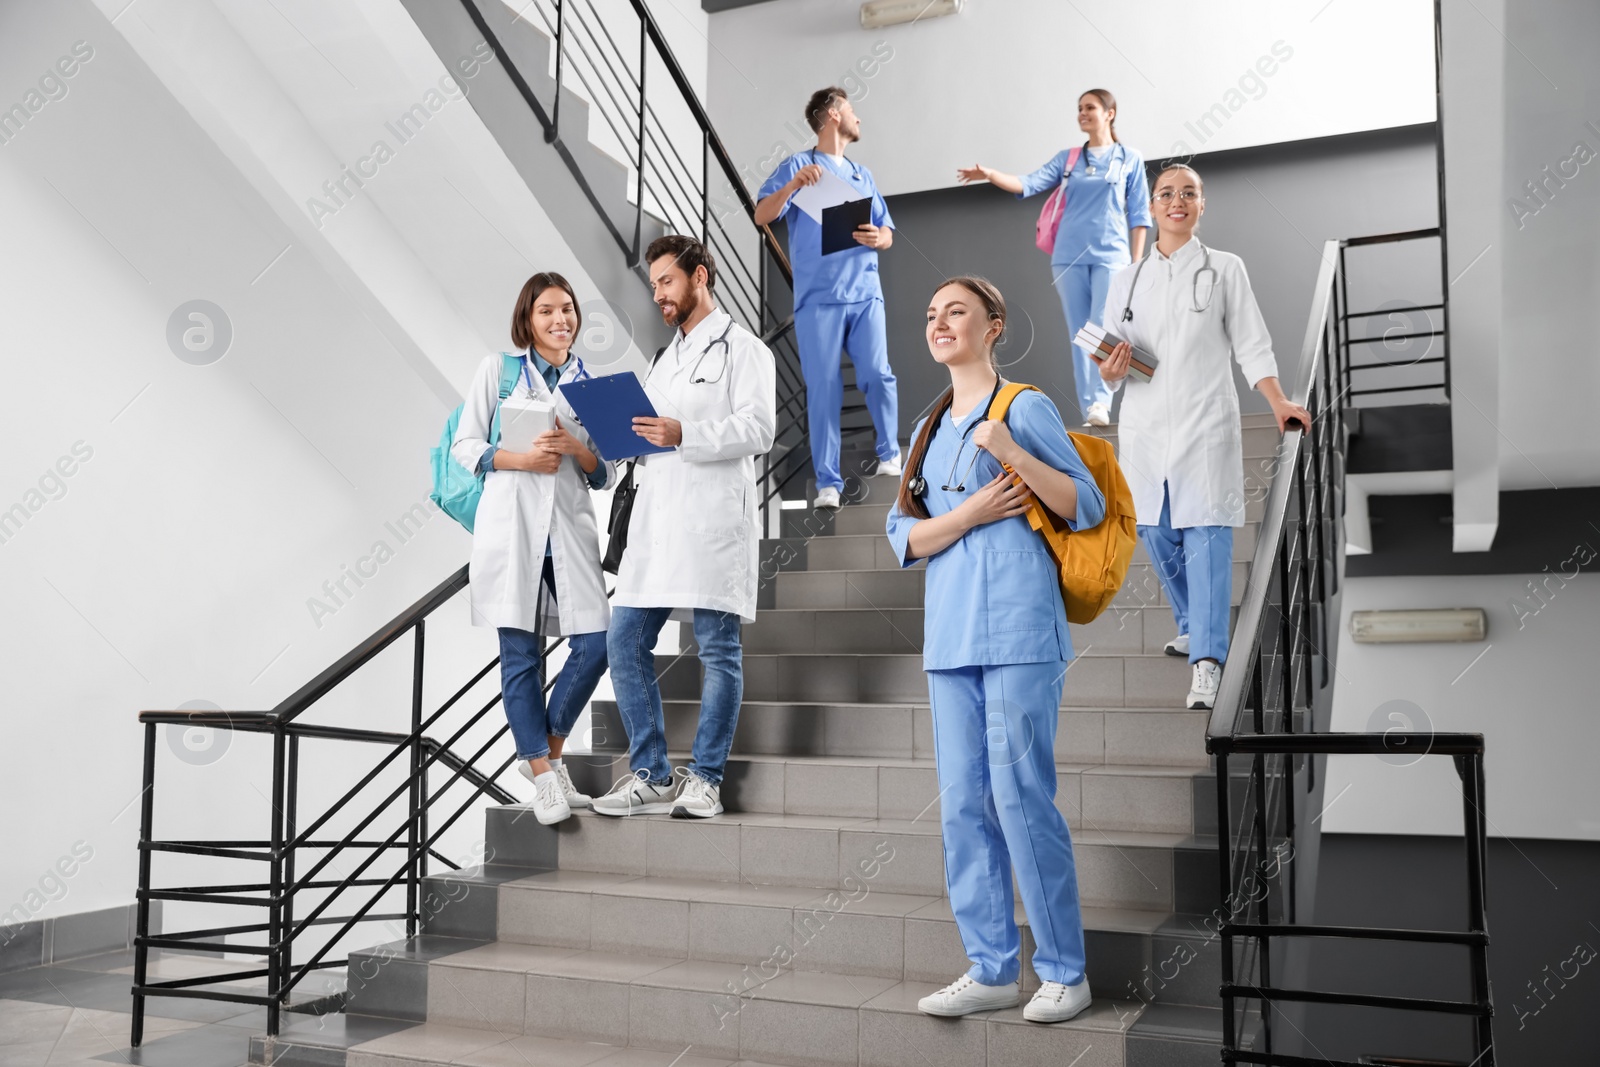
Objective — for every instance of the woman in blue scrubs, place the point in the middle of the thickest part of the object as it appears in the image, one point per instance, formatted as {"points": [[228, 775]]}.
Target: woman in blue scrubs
{"points": [[996, 648], [1102, 229]]}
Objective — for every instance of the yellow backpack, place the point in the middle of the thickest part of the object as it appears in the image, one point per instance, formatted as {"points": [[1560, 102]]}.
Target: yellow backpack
{"points": [[1092, 562]]}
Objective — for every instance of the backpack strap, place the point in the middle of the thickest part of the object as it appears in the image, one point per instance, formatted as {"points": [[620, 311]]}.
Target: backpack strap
{"points": [[510, 367], [1002, 400]]}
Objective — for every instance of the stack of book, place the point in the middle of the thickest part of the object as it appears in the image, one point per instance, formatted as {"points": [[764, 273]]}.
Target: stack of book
{"points": [[1099, 342]]}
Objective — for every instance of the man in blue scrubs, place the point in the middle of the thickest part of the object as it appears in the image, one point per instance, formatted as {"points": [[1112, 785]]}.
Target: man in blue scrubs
{"points": [[838, 301]]}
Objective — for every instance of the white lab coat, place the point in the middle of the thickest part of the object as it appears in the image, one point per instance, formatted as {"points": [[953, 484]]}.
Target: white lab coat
{"points": [[521, 510], [693, 538], [1182, 427]]}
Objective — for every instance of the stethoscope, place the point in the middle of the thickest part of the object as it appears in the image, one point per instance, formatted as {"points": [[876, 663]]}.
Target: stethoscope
{"points": [[1194, 295], [855, 171], [527, 371], [919, 484], [727, 354]]}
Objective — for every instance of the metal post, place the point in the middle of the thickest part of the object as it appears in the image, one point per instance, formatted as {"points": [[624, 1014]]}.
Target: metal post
{"points": [[1225, 876], [275, 931], [638, 215], [141, 929], [290, 802], [705, 197], [553, 134], [1476, 830], [414, 823]]}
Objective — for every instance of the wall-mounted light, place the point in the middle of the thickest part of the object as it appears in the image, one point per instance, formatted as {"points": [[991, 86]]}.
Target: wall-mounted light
{"points": [[876, 14], [1410, 627]]}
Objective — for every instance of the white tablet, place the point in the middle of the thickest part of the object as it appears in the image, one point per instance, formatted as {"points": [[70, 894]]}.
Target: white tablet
{"points": [[523, 420]]}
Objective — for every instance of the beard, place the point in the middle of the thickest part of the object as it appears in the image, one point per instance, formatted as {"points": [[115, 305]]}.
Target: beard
{"points": [[687, 307]]}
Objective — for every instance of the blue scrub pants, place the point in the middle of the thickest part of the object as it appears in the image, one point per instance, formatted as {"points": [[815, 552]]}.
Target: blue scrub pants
{"points": [[1082, 288], [630, 643], [994, 731], [1195, 565], [821, 331]]}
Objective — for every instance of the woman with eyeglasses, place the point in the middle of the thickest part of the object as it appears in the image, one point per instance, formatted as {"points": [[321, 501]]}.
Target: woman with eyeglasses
{"points": [[1178, 435], [996, 649], [1102, 227], [535, 567]]}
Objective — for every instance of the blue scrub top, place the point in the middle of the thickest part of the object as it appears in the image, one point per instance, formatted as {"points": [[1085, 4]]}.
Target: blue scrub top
{"points": [[1100, 209], [994, 597], [846, 277]]}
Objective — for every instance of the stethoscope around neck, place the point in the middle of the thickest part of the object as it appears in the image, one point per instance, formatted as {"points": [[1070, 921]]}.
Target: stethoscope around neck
{"points": [[727, 354], [919, 484], [527, 369], [1194, 292]]}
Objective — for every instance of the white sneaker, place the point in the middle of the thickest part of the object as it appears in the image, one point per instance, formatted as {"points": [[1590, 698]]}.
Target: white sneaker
{"points": [[1056, 1003], [891, 468], [697, 797], [634, 794], [1203, 690], [549, 805], [966, 995], [575, 799], [1098, 415], [1178, 646], [828, 498]]}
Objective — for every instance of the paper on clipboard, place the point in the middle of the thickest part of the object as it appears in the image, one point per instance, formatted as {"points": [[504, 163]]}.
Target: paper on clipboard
{"points": [[829, 191]]}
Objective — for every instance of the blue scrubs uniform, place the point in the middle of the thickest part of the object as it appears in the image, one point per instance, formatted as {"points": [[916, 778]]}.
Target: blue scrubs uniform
{"points": [[996, 648], [1092, 243], [838, 305], [1195, 566]]}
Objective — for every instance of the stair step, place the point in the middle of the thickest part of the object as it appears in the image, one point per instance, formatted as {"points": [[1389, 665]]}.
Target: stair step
{"points": [[1145, 736], [871, 517], [1092, 679], [1096, 796], [1116, 868], [478, 999], [872, 551], [903, 588]]}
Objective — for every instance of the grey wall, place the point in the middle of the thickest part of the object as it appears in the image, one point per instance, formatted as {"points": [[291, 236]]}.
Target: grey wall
{"points": [[1541, 906], [1273, 205]]}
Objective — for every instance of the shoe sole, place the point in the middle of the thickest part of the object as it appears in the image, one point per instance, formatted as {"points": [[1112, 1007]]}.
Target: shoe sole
{"points": [[968, 1011], [637, 809], [1057, 1017], [683, 812], [1196, 704], [1169, 650], [580, 805], [564, 816]]}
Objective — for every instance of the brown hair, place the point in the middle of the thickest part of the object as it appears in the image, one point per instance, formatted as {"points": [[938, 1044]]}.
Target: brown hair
{"points": [[994, 306], [1107, 101], [687, 253], [821, 100], [521, 332], [1162, 173]]}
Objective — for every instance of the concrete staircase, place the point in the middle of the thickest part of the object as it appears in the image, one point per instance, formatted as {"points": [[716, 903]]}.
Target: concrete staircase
{"points": [[801, 927]]}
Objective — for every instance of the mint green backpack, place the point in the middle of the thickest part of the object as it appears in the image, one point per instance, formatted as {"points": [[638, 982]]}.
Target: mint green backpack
{"points": [[455, 489]]}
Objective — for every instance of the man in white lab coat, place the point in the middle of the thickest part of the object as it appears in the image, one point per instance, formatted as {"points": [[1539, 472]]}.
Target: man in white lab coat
{"points": [[693, 537]]}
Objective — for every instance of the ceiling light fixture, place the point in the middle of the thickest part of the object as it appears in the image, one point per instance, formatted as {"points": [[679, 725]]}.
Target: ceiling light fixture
{"points": [[1412, 627]]}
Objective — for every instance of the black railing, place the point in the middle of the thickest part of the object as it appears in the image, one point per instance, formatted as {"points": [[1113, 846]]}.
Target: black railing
{"points": [[681, 179], [296, 853], [1277, 677], [1378, 346]]}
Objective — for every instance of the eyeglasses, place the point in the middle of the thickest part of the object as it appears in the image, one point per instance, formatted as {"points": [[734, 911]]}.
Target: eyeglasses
{"points": [[1188, 196]]}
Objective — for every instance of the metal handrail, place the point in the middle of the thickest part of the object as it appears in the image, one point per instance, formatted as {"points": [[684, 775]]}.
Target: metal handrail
{"points": [[1282, 636]]}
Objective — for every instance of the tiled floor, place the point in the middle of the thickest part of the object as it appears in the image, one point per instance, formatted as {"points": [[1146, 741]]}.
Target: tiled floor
{"points": [[80, 1012]]}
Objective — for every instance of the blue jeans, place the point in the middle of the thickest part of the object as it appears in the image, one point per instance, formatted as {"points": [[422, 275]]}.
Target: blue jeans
{"points": [[522, 687], [1082, 288], [1195, 566], [633, 676]]}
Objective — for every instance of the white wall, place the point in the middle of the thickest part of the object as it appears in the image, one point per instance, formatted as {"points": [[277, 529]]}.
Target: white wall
{"points": [[1547, 431], [208, 503], [1525, 689], [998, 83]]}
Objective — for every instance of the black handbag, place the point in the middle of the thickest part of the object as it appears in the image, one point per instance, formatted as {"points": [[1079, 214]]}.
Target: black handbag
{"points": [[622, 507]]}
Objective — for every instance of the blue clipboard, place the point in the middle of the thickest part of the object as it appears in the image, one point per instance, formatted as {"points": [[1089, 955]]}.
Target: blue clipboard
{"points": [[607, 406]]}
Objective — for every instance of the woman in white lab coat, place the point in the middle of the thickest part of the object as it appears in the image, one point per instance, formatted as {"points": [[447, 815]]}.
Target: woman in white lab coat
{"points": [[535, 546], [1179, 440]]}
